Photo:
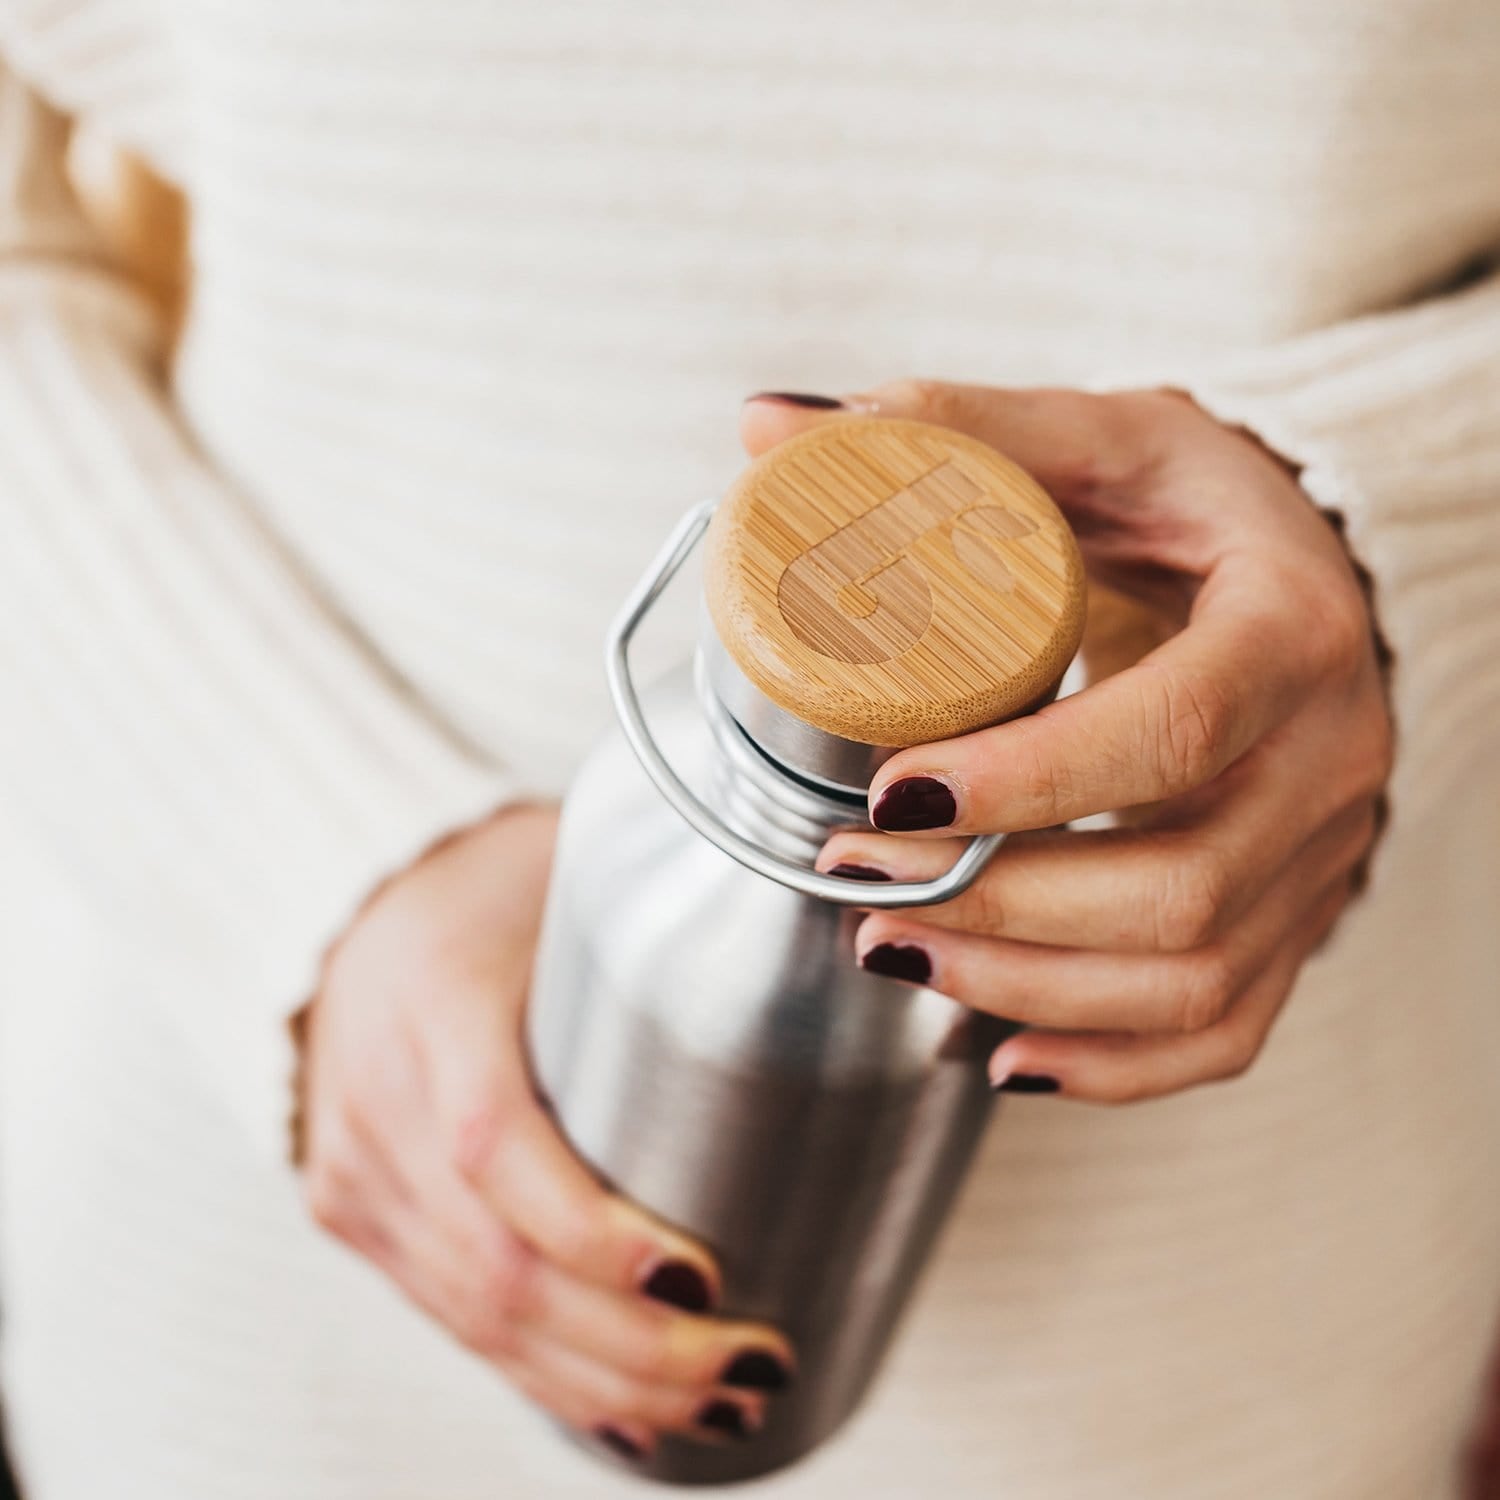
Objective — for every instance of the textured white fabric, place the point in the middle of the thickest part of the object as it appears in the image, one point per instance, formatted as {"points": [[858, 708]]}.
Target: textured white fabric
{"points": [[477, 289]]}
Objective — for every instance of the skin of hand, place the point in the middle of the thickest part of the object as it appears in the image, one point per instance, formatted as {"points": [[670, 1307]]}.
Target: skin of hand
{"points": [[1253, 745], [1481, 1477], [427, 1150]]}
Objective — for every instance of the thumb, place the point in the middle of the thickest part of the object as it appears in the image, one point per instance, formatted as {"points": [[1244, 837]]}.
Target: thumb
{"points": [[1071, 442]]}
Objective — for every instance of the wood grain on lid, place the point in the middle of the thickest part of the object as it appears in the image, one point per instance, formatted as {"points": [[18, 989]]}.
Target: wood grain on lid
{"points": [[894, 583]]}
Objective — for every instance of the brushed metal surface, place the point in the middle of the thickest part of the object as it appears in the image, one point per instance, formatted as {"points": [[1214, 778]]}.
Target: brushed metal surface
{"points": [[712, 1049], [841, 766]]}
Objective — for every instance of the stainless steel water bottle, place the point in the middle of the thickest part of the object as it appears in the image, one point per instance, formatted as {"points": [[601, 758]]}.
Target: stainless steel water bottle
{"points": [[697, 1018]]}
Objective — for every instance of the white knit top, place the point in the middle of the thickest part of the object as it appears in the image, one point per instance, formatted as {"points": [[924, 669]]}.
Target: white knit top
{"points": [[478, 285]]}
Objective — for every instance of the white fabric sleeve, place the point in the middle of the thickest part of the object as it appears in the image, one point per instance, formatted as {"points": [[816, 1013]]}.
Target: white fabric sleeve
{"points": [[1394, 422], [221, 758]]}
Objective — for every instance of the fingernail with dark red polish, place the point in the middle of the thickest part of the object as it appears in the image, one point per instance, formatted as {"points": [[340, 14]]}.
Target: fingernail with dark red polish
{"points": [[725, 1417], [898, 961], [1028, 1083], [617, 1442], [755, 1370], [859, 872], [914, 803], [799, 398], [678, 1284]]}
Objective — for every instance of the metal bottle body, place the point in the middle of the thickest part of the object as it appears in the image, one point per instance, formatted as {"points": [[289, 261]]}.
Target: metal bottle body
{"points": [[712, 1050]]}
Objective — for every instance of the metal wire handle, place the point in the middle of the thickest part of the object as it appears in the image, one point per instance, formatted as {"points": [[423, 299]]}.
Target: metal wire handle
{"points": [[697, 814]]}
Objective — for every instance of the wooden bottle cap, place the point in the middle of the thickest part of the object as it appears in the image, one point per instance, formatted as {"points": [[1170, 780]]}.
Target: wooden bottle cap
{"points": [[894, 583]]}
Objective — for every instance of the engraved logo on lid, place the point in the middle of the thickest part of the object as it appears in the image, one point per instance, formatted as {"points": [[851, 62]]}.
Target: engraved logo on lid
{"points": [[864, 594]]}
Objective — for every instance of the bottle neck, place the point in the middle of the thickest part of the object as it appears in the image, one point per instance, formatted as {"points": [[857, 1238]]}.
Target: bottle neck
{"points": [[824, 760], [761, 799]]}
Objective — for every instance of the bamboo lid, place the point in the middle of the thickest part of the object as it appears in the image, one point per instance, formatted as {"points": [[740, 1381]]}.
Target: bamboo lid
{"points": [[894, 583]]}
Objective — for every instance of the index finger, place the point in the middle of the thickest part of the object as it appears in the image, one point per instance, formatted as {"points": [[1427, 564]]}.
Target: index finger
{"points": [[1173, 721]]}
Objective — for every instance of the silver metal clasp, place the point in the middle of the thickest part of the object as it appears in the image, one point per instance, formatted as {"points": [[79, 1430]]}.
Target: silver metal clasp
{"points": [[702, 818]]}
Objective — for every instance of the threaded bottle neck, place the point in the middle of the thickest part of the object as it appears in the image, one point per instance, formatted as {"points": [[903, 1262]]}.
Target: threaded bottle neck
{"points": [[763, 800]]}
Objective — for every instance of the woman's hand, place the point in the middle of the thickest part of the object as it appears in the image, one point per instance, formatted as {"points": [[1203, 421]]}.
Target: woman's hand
{"points": [[1146, 958], [428, 1152]]}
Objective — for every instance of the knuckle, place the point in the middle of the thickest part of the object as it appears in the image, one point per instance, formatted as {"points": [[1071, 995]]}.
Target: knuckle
{"points": [[1113, 459], [980, 908], [1339, 637], [1042, 782], [584, 1235], [1194, 902], [1193, 730], [930, 400], [511, 1284], [1235, 1063], [1241, 1046], [480, 1126], [1208, 988], [484, 1328]]}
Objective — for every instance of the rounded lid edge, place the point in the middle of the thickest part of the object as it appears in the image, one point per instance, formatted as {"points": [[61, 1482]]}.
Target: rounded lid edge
{"points": [[1004, 603]]}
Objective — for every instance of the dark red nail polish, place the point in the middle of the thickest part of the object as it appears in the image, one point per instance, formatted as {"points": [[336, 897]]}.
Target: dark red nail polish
{"points": [[898, 961], [1028, 1083], [725, 1417], [799, 398], [859, 872], [755, 1370], [678, 1284], [617, 1442], [914, 803]]}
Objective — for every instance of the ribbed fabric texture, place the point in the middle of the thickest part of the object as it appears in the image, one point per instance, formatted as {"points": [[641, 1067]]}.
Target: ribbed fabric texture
{"points": [[477, 289], [252, 765]]}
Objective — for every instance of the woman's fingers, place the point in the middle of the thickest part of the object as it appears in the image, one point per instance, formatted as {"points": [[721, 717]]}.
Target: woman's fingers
{"points": [[1121, 1067], [534, 1183], [1191, 707], [630, 1440], [1273, 671], [527, 1260], [495, 1289], [650, 1343], [428, 1151], [611, 1397], [619, 1358], [1115, 890], [1085, 989], [1169, 885], [508, 1288], [502, 1141]]}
